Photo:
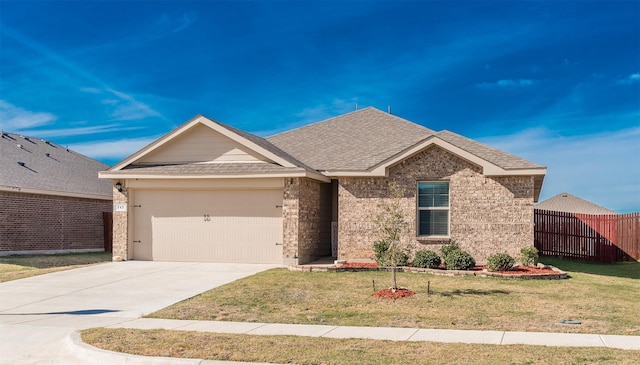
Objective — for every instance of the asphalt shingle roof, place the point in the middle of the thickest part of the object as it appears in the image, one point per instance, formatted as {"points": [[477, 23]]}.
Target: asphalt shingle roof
{"points": [[364, 138], [353, 141], [32, 163], [565, 202], [212, 168], [497, 157], [267, 145]]}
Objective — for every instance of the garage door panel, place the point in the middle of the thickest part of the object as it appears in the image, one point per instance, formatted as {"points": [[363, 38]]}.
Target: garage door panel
{"points": [[210, 226]]}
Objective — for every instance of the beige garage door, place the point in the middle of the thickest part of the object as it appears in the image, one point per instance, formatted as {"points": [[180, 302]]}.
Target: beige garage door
{"points": [[208, 226]]}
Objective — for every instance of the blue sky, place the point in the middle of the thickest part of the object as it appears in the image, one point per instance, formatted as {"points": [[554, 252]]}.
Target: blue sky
{"points": [[557, 83]]}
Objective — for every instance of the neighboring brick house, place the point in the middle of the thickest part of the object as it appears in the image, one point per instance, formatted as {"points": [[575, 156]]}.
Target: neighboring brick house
{"points": [[51, 199], [209, 192]]}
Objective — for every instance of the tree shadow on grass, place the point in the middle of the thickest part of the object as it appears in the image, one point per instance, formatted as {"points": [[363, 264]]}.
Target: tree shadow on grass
{"points": [[459, 292], [628, 269]]}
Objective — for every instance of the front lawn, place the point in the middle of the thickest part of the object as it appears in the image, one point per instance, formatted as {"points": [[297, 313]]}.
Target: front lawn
{"points": [[605, 303], [313, 351], [23, 266]]}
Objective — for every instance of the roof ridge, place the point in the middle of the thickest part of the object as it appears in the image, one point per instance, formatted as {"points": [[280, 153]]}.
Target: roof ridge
{"points": [[481, 145], [347, 115], [565, 202]]}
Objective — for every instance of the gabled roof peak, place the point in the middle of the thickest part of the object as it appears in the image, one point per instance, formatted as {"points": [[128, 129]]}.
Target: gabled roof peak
{"points": [[565, 202]]}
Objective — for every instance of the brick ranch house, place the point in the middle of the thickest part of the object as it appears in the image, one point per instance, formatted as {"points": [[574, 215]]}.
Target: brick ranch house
{"points": [[207, 191], [51, 199]]}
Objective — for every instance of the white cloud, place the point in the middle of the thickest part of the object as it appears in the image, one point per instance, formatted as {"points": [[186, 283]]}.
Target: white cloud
{"points": [[128, 108], [79, 131], [123, 106], [601, 168], [318, 113], [13, 118], [112, 150], [324, 111], [629, 80], [506, 83]]}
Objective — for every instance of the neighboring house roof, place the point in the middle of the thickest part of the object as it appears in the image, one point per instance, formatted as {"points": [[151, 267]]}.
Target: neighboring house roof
{"points": [[566, 202], [365, 142], [34, 165]]}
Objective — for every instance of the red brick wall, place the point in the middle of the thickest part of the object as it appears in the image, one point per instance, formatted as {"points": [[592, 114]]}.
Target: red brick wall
{"points": [[47, 222]]}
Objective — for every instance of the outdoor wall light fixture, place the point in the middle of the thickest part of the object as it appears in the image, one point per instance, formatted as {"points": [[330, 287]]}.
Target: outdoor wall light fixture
{"points": [[119, 186]]}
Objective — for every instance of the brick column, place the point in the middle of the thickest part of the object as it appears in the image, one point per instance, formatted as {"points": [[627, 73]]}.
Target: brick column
{"points": [[120, 225]]}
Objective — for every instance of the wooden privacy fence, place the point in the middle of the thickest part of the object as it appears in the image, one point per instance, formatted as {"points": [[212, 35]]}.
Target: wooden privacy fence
{"points": [[588, 237], [107, 224]]}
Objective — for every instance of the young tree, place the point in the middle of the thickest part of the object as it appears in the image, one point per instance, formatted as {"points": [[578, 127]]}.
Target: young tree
{"points": [[391, 226]]}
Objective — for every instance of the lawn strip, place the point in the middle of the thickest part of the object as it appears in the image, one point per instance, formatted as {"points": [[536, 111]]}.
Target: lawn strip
{"points": [[604, 304], [23, 266], [310, 350]]}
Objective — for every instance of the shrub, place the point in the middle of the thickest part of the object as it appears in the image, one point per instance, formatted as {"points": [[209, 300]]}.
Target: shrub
{"points": [[459, 260], [401, 259], [380, 249], [446, 249], [500, 262], [426, 259], [529, 256], [386, 257]]}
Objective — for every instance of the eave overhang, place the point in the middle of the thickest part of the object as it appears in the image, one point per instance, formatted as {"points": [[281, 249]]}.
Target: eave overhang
{"points": [[489, 169]]}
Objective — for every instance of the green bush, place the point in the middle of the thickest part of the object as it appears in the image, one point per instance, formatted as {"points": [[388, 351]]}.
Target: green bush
{"points": [[380, 250], [401, 259], [500, 262], [459, 260], [426, 259], [386, 257], [529, 256], [446, 249]]}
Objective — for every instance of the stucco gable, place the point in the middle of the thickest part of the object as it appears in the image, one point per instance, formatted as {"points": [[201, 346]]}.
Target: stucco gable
{"points": [[202, 139], [200, 143]]}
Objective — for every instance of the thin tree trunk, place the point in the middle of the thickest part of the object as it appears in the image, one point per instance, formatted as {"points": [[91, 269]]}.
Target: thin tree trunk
{"points": [[394, 284]]}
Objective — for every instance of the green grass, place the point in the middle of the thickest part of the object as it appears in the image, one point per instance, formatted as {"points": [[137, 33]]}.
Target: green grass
{"points": [[24, 266], [605, 304], [628, 269], [312, 351]]}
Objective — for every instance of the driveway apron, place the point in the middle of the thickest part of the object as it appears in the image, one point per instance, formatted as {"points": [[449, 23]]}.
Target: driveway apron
{"points": [[38, 314]]}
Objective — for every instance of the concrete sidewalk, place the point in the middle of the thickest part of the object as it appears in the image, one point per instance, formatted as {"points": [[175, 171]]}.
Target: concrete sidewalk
{"points": [[84, 351], [392, 333]]}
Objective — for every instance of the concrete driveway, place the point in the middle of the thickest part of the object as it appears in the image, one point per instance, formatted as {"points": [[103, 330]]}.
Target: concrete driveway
{"points": [[38, 314]]}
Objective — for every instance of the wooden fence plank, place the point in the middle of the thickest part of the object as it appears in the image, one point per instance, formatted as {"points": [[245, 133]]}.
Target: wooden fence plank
{"points": [[587, 237]]}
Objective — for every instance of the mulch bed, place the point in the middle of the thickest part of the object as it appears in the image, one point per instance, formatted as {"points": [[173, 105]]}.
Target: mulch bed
{"points": [[527, 270], [390, 294], [516, 271], [360, 265]]}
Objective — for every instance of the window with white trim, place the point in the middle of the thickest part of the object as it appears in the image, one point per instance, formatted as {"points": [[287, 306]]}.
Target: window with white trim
{"points": [[433, 208]]}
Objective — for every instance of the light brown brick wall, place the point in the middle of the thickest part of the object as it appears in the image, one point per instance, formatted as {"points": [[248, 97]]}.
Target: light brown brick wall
{"points": [[120, 224], [306, 220], [487, 214], [48, 222]]}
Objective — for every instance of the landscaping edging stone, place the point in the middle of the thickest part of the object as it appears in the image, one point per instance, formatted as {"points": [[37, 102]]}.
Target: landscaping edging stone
{"points": [[559, 274]]}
